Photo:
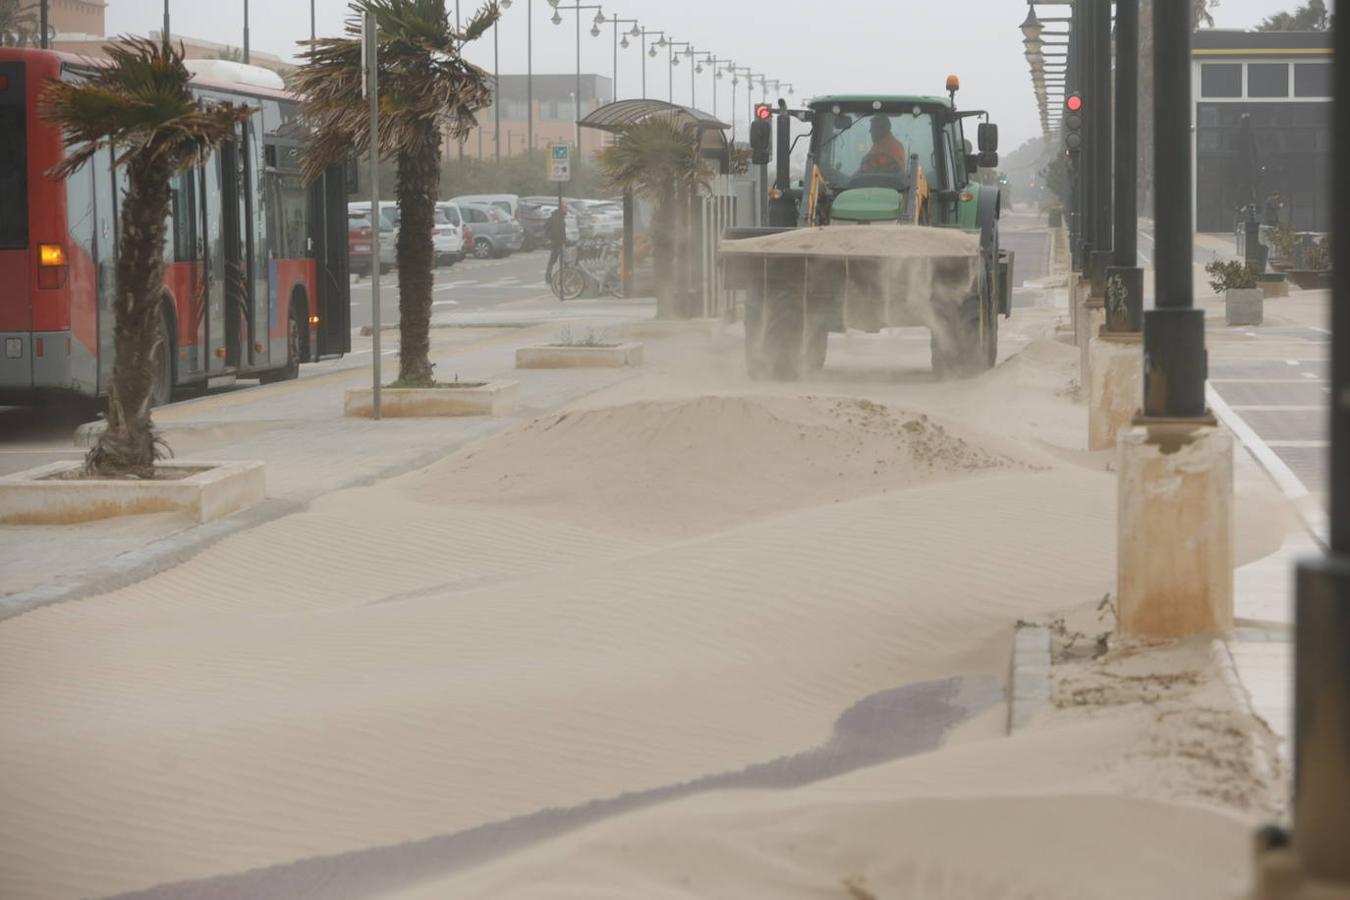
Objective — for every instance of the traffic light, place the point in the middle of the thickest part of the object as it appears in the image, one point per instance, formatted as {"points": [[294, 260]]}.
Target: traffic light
{"points": [[761, 135], [1073, 122]]}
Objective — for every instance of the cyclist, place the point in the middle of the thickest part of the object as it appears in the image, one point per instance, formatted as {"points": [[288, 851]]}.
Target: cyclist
{"points": [[556, 232]]}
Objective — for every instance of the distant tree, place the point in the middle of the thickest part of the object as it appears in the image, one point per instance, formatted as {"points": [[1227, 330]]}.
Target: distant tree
{"points": [[141, 107], [19, 24], [1310, 16], [428, 91], [231, 54]]}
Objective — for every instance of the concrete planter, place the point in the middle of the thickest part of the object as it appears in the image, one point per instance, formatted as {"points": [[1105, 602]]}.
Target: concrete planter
{"points": [[1273, 285], [1244, 306], [1311, 279], [492, 399], [206, 491], [557, 356]]}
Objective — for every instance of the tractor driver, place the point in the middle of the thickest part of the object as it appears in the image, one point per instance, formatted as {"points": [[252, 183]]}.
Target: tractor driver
{"points": [[887, 153]]}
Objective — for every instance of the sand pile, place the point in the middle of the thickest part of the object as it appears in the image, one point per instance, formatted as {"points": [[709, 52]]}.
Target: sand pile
{"points": [[680, 467]]}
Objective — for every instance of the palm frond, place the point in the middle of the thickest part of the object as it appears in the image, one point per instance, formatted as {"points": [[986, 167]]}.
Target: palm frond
{"points": [[141, 104], [482, 20], [427, 89], [654, 158]]}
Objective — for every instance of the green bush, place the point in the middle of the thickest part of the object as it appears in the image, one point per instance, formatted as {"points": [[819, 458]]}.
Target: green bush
{"points": [[1230, 275], [1318, 256], [1283, 237]]}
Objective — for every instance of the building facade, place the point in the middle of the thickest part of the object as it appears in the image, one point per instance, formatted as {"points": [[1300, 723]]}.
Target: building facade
{"points": [[1262, 125], [552, 107]]}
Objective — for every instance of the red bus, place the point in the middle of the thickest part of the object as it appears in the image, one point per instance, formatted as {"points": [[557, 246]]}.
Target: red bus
{"points": [[256, 278]]}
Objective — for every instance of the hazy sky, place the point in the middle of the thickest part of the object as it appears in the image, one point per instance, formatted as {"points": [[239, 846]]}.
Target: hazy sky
{"points": [[897, 46]]}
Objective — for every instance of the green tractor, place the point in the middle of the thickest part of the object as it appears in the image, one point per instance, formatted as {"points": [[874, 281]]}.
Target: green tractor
{"points": [[890, 226]]}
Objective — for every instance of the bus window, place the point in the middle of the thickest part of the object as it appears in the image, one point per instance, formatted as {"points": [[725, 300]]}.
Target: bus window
{"points": [[13, 159]]}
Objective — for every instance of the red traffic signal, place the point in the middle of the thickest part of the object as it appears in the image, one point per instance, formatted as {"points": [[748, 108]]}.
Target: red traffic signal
{"points": [[763, 111], [1074, 102]]}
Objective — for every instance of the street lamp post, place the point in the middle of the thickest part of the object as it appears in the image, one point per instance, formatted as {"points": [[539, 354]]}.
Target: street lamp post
{"points": [[616, 21], [646, 53], [557, 20], [246, 54], [671, 63], [529, 72], [675, 61], [715, 64]]}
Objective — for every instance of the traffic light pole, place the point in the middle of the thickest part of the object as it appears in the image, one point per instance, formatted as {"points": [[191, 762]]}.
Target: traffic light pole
{"points": [[1081, 160]]}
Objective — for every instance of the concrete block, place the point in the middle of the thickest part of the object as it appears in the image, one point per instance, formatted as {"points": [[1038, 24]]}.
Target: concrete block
{"points": [[1116, 367], [203, 490], [1244, 306], [491, 399], [1091, 318], [570, 356], [1175, 529], [664, 328]]}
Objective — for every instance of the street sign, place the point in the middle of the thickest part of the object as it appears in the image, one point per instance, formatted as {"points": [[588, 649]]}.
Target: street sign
{"points": [[559, 162]]}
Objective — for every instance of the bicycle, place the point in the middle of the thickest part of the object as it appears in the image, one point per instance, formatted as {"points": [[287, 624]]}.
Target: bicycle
{"points": [[601, 261], [568, 281]]}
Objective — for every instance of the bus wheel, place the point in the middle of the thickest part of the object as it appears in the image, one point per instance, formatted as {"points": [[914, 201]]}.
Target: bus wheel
{"points": [[294, 332], [161, 387]]}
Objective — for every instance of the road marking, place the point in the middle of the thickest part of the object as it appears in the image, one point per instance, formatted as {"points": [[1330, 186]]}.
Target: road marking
{"points": [[1311, 445], [445, 303], [1291, 362], [1264, 407], [1263, 380], [1284, 477]]}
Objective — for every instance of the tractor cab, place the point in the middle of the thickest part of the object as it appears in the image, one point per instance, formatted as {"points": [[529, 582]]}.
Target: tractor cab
{"points": [[892, 159]]}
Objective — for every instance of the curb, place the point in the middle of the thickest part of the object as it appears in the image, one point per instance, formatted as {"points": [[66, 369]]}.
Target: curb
{"points": [[1029, 681]]}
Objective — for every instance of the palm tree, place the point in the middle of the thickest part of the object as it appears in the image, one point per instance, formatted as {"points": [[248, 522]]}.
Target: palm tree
{"points": [[19, 24], [657, 158], [427, 92], [140, 105]]}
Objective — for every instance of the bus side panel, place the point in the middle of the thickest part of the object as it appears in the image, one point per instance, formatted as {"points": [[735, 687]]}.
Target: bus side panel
{"points": [[46, 200], [185, 282], [285, 277], [78, 367]]}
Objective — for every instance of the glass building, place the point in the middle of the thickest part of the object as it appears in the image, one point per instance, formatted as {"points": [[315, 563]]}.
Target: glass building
{"points": [[1262, 125]]}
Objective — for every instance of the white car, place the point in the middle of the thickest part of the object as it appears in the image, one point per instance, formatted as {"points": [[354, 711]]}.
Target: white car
{"points": [[446, 237]]}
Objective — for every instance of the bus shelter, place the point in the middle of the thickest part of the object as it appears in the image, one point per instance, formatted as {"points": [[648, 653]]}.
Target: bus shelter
{"points": [[713, 147]]}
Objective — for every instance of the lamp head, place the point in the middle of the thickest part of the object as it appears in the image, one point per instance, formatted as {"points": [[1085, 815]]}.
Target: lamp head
{"points": [[557, 18]]}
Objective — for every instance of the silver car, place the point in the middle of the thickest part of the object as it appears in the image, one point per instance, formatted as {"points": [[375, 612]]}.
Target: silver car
{"points": [[494, 233]]}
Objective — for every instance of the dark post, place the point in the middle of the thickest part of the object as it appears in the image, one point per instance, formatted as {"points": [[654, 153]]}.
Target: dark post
{"points": [[1322, 633], [1100, 113], [628, 228], [1084, 184], [42, 23], [247, 58], [1174, 332], [1125, 280]]}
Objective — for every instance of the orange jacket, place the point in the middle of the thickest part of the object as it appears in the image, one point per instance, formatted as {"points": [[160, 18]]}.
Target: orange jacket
{"points": [[886, 155]]}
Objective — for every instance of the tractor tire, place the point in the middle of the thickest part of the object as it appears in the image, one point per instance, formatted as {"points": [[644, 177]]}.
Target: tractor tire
{"points": [[756, 360], [815, 344], [966, 341], [784, 332]]}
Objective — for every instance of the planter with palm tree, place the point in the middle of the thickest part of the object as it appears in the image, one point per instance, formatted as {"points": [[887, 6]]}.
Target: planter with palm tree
{"points": [[428, 93], [139, 105], [658, 159]]}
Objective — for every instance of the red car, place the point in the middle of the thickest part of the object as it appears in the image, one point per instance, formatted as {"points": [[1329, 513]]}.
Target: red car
{"points": [[358, 243]]}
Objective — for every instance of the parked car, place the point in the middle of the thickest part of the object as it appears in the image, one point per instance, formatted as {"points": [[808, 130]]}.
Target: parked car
{"points": [[359, 241], [494, 233], [607, 217], [507, 203], [546, 207], [445, 237], [534, 218]]}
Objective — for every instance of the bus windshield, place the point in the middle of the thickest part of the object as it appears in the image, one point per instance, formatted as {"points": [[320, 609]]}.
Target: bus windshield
{"points": [[864, 148]]}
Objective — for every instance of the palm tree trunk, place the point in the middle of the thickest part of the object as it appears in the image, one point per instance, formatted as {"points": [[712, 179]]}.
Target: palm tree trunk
{"points": [[419, 178], [127, 446], [663, 250]]}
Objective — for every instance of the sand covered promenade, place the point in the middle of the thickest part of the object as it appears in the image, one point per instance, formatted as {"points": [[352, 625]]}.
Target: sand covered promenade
{"points": [[680, 636]]}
